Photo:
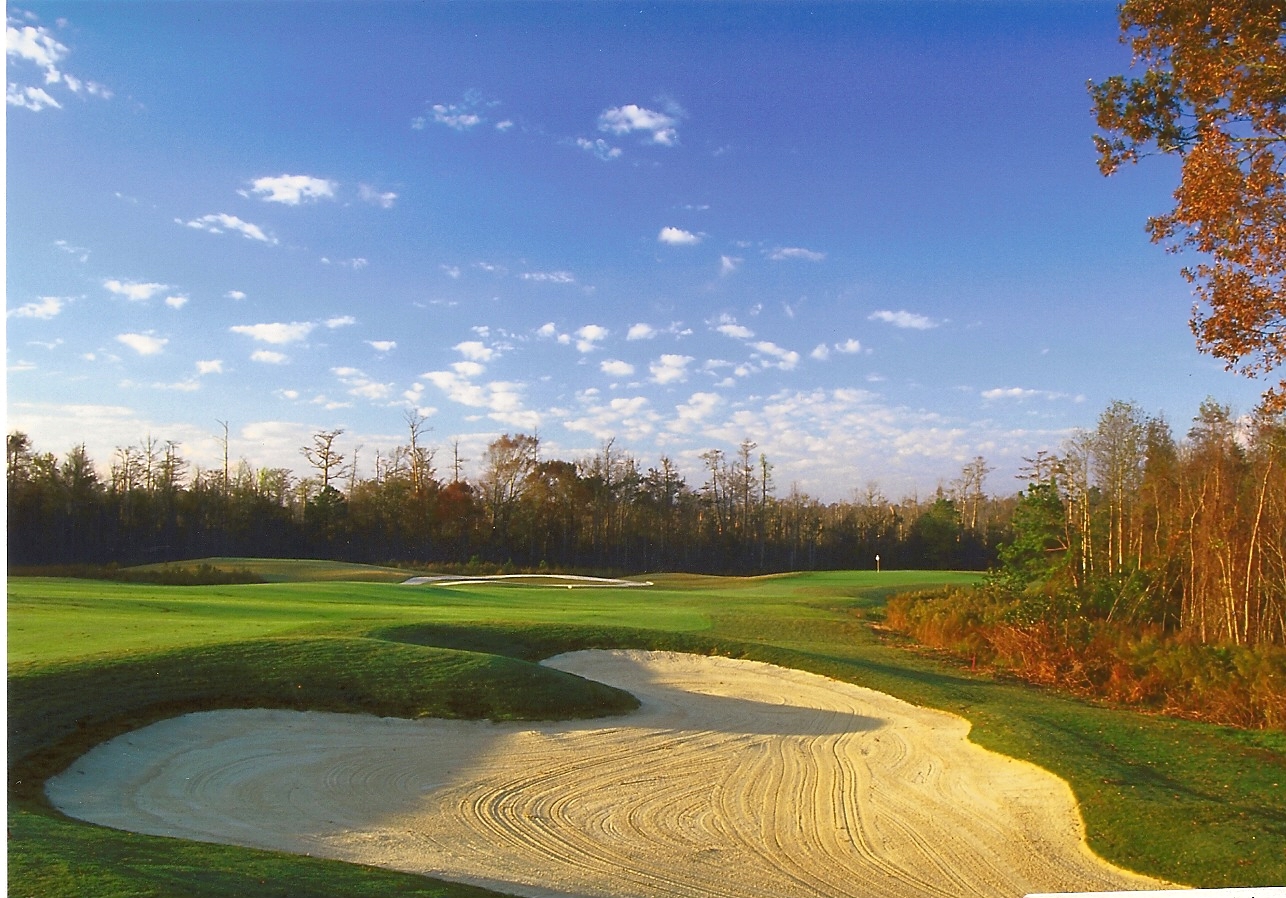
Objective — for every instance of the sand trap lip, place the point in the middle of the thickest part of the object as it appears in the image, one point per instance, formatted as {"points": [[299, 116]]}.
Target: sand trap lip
{"points": [[733, 779], [571, 581]]}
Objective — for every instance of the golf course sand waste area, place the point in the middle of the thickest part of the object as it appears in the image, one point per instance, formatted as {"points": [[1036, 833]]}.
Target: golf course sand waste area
{"points": [[733, 779]]}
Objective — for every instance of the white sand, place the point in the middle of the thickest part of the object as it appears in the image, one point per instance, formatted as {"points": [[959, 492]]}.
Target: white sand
{"points": [[734, 779]]}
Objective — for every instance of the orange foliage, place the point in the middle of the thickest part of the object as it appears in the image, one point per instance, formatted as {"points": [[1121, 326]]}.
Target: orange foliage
{"points": [[1214, 92]]}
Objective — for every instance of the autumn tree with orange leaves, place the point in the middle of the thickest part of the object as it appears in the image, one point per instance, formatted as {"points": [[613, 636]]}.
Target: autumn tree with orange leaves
{"points": [[1213, 91]]}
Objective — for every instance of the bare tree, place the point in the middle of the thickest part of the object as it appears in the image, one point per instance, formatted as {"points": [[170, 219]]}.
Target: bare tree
{"points": [[324, 457]]}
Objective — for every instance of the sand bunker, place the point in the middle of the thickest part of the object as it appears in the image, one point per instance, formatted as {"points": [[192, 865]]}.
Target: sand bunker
{"points": [[734, 779]]}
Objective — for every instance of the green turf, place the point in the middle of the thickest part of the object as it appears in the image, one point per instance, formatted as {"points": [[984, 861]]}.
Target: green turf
{"points": [[1196, 804]]}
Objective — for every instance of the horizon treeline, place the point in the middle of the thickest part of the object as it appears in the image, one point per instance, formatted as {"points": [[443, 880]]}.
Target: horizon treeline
{"points": [[1124, 522], [602, 512]]}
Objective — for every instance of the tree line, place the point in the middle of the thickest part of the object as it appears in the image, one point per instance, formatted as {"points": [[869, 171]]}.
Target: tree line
{"points": [[606, 511], [1138, 568], [1124, 523]]}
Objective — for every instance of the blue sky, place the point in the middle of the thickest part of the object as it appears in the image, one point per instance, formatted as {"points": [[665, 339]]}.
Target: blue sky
{"points": [[870, 237]]}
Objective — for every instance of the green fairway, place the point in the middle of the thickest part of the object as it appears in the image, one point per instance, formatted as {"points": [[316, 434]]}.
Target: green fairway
{"points": [[1196, 804]]}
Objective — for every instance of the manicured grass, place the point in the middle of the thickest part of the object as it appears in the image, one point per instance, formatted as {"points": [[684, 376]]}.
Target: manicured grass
{"points": [[1197, 804]]}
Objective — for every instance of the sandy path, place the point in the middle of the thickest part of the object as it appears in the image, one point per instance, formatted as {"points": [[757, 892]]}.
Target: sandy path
{"points": [[735, 779]]}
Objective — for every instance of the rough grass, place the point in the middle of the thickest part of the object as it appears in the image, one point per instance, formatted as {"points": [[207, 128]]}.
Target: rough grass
{"points": [[1193, 803]]}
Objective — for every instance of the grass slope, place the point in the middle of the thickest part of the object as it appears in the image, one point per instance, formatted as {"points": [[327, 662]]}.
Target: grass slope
{"points": [[1193, 803]]}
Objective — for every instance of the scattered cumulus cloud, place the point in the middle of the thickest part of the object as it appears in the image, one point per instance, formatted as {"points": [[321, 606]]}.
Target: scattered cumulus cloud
{"points": [[44, 308], [462, 116], [269, 357], [236, 295], [382, 198], [904, 319], [660, 128], [475, 351], [143, 344], [221, 222], [361, 385], [177, 301], [340, 321], [589, 336], [786, 359], [728, 265], [79, 252], [600, 148], [33, 98], [134, 291], [210, 366], [640, 331], [293, 190], [277, 333], [789, 253], [678, 237], [1021, 394], [849, 346], [382, 346], [549, 277], [30, 46], [616, 368], [670, 368], [730, 328]]}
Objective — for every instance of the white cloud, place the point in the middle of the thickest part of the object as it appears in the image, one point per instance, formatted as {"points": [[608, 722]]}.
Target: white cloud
{"points": [[176, 301], [340, 321], [361, 386], [640, 331], [630, 117], [356, 264], [787, 253], [699, 408], [549, 277], [728, 265], [628, 418], [33, 98], [616, 368], [133, 290], [382, 345], [468, 369], [294, 189], [678, 237], [460, 116], [45, 307], [730, 328], [547, 330], [1021, 394], [38, 46], [475, 351], [821, 352], [589, 336], [670, 368], [277, 333], [35, 45], [220, 222], [211, 366], [269, 357], [849, 346], [383, 199], [786, 359], [79, 252], [143, 344], [904, 319], [235, 295], [600, 148], [502, 399]]}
